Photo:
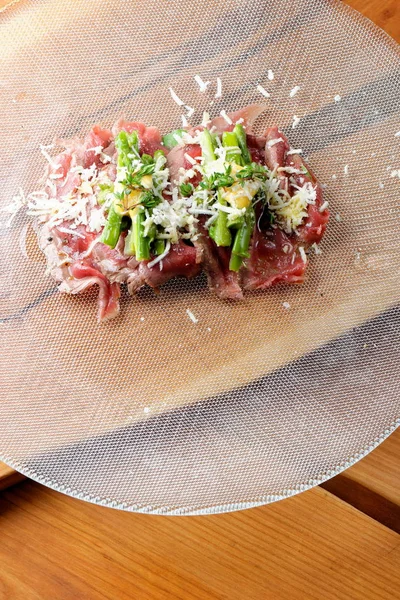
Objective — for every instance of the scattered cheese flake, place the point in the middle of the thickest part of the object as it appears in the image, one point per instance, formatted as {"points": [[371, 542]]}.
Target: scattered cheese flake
{"points": [[270, 74], [190, 110], [191, 316], [373, 154], [146, 409], [218, 93], [395, 173], [334, 176], [239, 121], [381, 185], [294, 151], [226, 117], [271, 143], [354, 151], [71, 231], [337, 98], [346, 169], [206, 119], [14, 207], [324, 206], [397, 134], [338, 217], [175, 98], [303, 254], [202, 84], [294, 91], [142, 319], [286, 305], [190, 159], [208, 328], [296, 121], [263, 91], [184, 121]]}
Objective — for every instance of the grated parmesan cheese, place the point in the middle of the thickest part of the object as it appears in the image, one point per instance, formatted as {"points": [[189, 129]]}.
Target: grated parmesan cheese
{"points": [[184, 121], [296, 121], [324, 206], [175, 97], [397, 134], [191, 316], [286, 305], [294, 91], [206, 119], [190, 110], [303, 254], [271, 143], [190, 159], [263, 91], [218, 93], [337, 98], [202, 84], [346, 169], [294, 151], [226, 117], [270, 75]]}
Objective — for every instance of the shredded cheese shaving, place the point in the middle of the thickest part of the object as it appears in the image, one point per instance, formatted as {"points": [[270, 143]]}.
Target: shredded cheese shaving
{"points": [[191, 316], [226, 117], [202, 84], [175, 97], [294, 91], [218, 93], [263, 91]]}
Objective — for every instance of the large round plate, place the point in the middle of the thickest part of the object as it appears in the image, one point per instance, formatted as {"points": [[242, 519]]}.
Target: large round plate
{"points": [[254, 402]]}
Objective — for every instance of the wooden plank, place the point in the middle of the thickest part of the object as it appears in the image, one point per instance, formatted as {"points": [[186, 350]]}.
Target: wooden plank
{"points": [[384, 14], [8, 476], [312, 546], [372, 485]]}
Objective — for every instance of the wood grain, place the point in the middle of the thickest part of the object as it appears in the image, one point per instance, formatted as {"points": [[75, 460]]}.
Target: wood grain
{"points": [[8, 476], [373, 484], [312, 546]]}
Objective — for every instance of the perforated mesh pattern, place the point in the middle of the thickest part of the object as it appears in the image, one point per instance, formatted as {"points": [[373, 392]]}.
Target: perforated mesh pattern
{"points": [[254, 402]]}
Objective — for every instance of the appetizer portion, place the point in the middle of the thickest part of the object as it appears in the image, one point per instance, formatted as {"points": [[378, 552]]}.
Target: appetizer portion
{"points": [[128, 206]]}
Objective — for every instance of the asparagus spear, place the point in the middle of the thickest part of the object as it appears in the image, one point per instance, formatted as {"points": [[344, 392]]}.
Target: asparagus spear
{"points": [[170, 139], [142, 243], [207, 146], [240, 248], [112, 228], [230, 140], [159, 247], [219, 230], [240, 133], [126, 143], [129, 248]]}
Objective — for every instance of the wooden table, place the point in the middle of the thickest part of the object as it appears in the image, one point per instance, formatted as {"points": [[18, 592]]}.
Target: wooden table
{"points": [[337, 541]]}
